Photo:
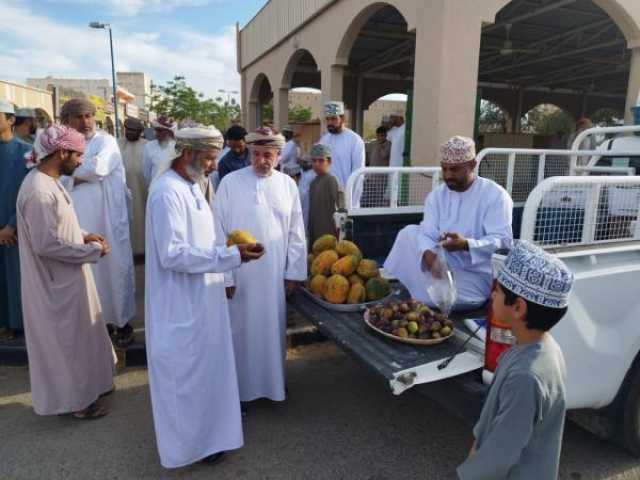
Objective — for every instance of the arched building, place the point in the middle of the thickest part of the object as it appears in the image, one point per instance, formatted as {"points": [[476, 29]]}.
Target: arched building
{"points": [[582, 55]]}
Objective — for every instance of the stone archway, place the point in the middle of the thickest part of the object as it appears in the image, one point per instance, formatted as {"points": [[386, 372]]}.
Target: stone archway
{"points": [[260, 95]]}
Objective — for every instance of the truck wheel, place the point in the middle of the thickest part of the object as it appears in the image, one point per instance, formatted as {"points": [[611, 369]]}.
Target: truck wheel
{"points": [[629, 426]]}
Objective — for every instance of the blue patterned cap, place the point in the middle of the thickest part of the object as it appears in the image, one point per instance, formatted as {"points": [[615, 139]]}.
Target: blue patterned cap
{"points": [[333, 109], [320, 150], [533, 274]]}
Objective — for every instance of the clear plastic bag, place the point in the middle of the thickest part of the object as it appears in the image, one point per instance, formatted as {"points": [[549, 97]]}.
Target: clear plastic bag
{"points": [[442, 288]]}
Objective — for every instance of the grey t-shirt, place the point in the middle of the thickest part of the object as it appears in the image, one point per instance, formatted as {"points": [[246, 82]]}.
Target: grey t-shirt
{"points": [[519, 433]]}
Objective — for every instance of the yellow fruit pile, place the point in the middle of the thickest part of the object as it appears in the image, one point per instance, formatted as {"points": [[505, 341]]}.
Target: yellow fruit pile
{"points": [[238, 237], [339, 274]]}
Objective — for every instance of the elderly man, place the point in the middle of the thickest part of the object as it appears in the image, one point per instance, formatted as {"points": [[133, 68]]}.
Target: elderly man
{"points": [[468, 216], [70, 355], [265, 203], [132, 149], [12, 171], [237, 156], [26, 125], [100, 195], [192, 375], [158, 153], [347, 148]]}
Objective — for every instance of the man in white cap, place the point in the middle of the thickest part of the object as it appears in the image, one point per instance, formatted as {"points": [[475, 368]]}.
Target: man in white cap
{"points": [[266, 203], [13, 169], [291, 152], [158, 153], [347, 148], [26, 125], [100, 195], [192, 374], [396, 135], [523, 416], [469, 217]]}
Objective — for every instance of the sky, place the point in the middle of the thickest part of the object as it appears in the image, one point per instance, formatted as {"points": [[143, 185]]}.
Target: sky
{"points": [[163, 38]]}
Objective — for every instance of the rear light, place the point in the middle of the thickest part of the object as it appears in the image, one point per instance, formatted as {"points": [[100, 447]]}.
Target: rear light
{"points": [[499, 340]]}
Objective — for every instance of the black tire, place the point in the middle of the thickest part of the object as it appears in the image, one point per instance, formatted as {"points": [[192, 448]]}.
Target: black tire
{"points": [[629, 418]]}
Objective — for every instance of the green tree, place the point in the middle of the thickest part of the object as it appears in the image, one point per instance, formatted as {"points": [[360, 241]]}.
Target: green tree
{"points": [[181, 102], [547, 119], [492, 118], [606, 117], [299, 113]]}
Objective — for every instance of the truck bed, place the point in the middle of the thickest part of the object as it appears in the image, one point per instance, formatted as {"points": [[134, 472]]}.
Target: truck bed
{"points": [[386, 358]]}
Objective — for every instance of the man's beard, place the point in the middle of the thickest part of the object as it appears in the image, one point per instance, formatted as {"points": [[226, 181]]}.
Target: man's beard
{"points": [[67, 168], [196, 172], [333, 129]]}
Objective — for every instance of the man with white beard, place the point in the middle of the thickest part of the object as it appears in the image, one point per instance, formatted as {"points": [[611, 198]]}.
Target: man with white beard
{"points": [[158, 154], [100, 196], [265, 203], [192, 375]]}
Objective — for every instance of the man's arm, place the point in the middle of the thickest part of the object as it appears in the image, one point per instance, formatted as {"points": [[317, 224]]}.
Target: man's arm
{"points": [[169, 230], [497, 231], [358, 156], [510, 431], [429, 231], [97, 167], [42, 220]]}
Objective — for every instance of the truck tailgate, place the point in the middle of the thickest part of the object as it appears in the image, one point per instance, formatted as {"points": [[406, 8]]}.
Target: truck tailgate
{"points": [[401, 365]]}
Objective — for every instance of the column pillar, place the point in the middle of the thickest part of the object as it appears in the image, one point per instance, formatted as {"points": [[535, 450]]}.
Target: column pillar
{"points": [[445, 78], [252, 115], [633, 91], [517, 120], [280, 108], [332, 85], [359, 111]]}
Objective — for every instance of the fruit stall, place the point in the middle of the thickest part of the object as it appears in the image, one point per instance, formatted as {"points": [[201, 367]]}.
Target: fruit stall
{"points": [[401, 341]]}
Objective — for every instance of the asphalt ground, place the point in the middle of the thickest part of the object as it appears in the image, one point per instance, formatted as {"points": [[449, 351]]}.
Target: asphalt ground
{"points": [[338, 423]]}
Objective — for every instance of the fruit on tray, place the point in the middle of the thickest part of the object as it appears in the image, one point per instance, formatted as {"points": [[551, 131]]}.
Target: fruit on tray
{"points": [[236, 237], [323, 262], [410, 319], [336, 267], [368, 269], [325, 242], [345, 247], [377, 288], [357, 294], [336, 289], [345, 266], [317, 283]]}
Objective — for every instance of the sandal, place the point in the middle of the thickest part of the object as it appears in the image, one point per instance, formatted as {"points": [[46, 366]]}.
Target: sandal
{"points": [[92, 412]]}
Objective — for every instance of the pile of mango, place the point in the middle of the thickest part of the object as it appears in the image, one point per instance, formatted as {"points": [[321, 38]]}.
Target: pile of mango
{"points": [[339, 274]]}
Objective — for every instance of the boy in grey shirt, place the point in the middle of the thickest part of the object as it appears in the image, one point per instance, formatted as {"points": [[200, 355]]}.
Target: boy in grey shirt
{"points": [[519, 433]]}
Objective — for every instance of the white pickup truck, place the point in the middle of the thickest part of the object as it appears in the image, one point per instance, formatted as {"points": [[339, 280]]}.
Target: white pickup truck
{"points": [[589, 216]]}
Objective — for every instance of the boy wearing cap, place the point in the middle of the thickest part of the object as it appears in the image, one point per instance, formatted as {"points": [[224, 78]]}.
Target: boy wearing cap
{"points": [[519, 433], [13, 169], [325, 195]]}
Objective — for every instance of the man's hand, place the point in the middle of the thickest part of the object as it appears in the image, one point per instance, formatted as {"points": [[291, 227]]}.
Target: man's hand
{"points": [[106, 248], [8, 236], [94, 237], [454, 242], [230, 291], [290, 286], [430, 262], [250, 251]]}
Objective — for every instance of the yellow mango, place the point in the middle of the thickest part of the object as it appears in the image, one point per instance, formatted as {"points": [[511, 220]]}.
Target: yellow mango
{"points": [[336, 289], [323, 262], [368, 269], [240, 236], [345, 266], [317, 283], [357, 294], [325, 242]]}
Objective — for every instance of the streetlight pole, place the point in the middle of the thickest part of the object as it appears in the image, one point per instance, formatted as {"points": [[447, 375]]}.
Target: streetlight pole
{"points": [[106, 26]]}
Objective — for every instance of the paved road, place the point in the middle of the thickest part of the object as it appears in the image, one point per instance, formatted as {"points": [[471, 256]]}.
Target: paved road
{"points": [[339, 423]]}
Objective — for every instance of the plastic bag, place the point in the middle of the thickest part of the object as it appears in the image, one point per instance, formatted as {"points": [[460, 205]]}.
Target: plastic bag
{"points": [[442, 289]]}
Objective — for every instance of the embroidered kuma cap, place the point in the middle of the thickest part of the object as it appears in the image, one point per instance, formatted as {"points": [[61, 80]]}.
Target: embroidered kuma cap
{"points": [[533, 274], [333, 109], [458, 150]]}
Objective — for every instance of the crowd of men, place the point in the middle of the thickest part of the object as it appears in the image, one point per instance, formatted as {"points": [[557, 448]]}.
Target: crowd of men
{"points": [[76, 207]]}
